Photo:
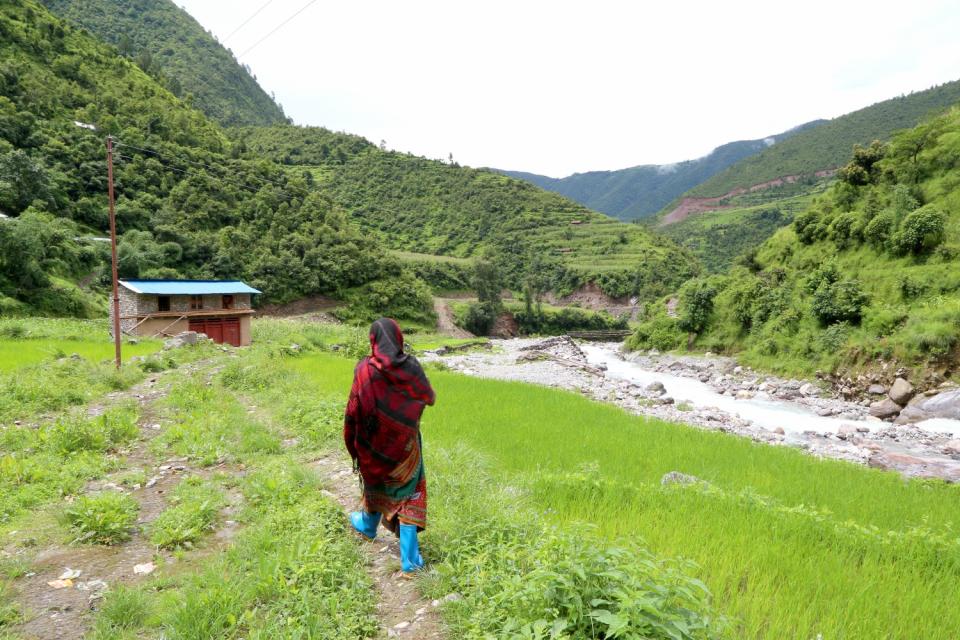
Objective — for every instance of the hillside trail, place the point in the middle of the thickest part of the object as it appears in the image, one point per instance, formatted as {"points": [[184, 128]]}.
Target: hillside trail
{"points": [[64, 614], [402, 611], [445, 323]]}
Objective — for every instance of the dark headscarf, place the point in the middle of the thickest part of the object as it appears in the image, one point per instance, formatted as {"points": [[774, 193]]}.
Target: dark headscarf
{"points": [[400, 369]]}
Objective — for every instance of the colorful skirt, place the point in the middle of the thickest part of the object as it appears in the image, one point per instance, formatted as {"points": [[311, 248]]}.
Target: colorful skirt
{"points": [[402, 498]]}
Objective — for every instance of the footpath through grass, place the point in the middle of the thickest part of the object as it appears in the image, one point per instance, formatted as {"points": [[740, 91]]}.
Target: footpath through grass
{"points": [[791, 546]]}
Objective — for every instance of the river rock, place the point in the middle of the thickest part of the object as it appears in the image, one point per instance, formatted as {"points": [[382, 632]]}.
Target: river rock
{"points": [[779, 431], [744, 394], [885, 408], [809, 389], [846, 431], [942, 405], [824, 412], [890, 461], [877, 390], [901, 391], [656, 388], [951, 447]]}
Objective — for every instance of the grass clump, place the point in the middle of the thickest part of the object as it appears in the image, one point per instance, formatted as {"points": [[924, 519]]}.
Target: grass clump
{"points": [[104, 518], [46, 464], [523, 578], [211, 426], [193, 513], [123, 610]]}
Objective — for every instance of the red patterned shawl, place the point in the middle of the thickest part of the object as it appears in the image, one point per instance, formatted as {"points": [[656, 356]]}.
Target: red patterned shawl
{"points": [[390, 390]]}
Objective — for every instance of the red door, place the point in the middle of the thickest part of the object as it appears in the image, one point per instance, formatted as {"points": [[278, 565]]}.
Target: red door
{"points": [[219, 330], [231, 331]]}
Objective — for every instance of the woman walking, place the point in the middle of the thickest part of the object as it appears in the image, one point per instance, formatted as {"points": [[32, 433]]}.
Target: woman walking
{"points": [[381, 429]]}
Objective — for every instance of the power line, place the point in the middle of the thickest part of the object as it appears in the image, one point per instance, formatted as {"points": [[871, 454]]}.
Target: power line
{"points": [[274, 30], [244, 23]]}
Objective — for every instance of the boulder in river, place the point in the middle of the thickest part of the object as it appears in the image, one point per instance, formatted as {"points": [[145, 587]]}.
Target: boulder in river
{"points": [[656, 388], [877, 390], [943, 405], [885, 408], [901, 391], [809, 389]]}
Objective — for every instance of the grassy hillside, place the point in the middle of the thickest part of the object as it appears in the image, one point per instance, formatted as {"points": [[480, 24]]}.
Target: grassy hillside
{"points": [[828, 145], [185, 207], [869, 273], [430, 207], [166, 42], [639, 192]]}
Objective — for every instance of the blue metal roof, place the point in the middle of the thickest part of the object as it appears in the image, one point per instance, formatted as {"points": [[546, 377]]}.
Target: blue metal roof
{"points": [[187, 287]]}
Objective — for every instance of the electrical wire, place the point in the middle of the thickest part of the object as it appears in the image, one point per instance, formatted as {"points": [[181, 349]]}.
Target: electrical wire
{"points": [[244, 23], [274, 30]]}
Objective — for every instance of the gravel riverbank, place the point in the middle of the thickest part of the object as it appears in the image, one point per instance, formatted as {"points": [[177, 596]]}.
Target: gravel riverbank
{"points": [[717, 395]]}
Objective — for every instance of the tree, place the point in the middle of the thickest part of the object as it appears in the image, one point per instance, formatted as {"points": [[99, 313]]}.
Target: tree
{"points": [[696, 305], [22, 180], [920, 232], [838, 302]]}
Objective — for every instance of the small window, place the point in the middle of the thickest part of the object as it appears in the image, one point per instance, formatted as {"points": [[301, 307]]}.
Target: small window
{"points": [[228, 302], [163, 303], [196, 303]]}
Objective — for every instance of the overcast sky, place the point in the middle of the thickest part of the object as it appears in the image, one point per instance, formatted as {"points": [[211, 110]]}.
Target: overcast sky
{"points": [[561, 87]]}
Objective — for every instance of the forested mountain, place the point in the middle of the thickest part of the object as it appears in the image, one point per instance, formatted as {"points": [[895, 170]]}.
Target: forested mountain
{"points": [[167, 43], [868, 274], [184, 206], [432, 207], [828, 146], [278, 206], [640, 192]]}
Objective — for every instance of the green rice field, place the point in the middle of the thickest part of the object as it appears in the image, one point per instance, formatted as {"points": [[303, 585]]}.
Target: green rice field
{"points": [[790, 546], [29, 341]]}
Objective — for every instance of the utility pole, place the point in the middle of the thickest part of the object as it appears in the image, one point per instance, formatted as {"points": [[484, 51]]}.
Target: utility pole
{"points": [[113, 252]]}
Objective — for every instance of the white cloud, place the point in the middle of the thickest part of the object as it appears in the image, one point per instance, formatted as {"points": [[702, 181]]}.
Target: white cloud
{"points": [[558, 87]]}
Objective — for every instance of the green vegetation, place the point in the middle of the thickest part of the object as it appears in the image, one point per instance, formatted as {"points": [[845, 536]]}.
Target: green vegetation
{"points": [[210, 428], [718, 238], [790, 546], [827, 146], [429, 207], [191, 514], [867, 273], [175, 49], [104, 518], [25, 342], [640, 192], [45, 464], [185, 206]]}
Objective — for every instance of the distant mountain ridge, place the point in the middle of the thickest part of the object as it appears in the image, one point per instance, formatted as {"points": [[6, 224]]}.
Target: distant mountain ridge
{"points": [[641, 191]]}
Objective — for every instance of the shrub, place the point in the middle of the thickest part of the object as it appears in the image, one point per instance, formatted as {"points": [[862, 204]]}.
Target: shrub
{"points": [[810, 226], [696, 305], [878, 230], [405, 298], [105, 518], [479, 318], [660, 333], [920, 232], [838, 302]]}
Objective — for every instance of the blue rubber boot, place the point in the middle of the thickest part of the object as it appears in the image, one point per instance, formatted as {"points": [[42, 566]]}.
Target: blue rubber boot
{"points": [[365, 523], [410, 558]]}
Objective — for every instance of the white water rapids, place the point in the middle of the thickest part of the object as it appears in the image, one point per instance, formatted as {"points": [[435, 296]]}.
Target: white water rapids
{"points": [[770, 414]]}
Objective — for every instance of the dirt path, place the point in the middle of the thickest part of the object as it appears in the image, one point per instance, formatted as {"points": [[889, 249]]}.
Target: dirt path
{"points": [[445, 323], [402, 611], [64, 613]]}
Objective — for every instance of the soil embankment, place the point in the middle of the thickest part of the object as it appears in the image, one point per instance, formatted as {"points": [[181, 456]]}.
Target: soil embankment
{"points": [[690, 206]]}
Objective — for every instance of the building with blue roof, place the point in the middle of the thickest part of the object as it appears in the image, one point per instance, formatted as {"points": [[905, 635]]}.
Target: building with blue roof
{"points": [[221, 309]]}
